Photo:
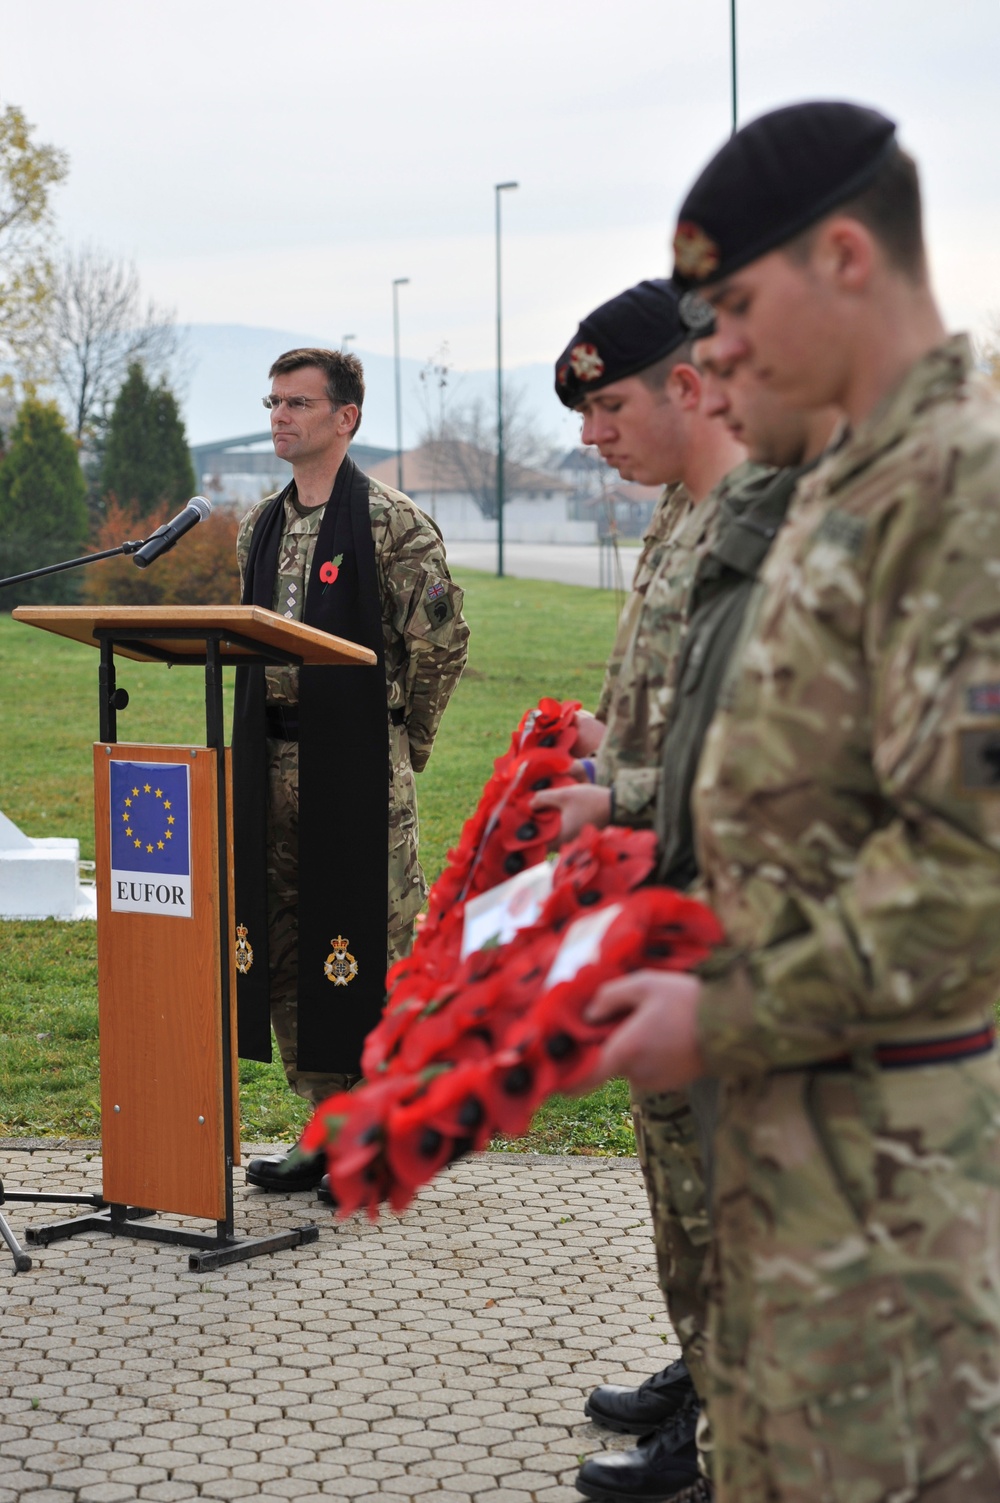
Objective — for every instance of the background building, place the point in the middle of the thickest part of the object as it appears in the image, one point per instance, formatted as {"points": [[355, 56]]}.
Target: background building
{"points": [[239, 471]]}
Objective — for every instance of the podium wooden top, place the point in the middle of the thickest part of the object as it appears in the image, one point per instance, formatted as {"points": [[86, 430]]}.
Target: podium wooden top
{"points": [[178, 632]]}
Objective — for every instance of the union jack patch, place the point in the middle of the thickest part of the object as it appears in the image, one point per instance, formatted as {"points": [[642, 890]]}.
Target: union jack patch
{"points": [[434, 591]]}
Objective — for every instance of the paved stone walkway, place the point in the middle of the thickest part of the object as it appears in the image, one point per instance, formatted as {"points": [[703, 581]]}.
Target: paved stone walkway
{"points": [[441, 1355]]}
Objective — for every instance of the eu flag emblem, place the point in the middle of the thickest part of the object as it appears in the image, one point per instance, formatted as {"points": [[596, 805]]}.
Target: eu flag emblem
{"points": [[151, 838]]}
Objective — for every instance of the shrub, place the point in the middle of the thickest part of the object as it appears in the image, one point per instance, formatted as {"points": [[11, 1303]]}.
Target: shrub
{"points": [[199, 570]]}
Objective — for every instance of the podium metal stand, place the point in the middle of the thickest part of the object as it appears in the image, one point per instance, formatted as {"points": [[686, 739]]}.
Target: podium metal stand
{"points": [[166, 979]]}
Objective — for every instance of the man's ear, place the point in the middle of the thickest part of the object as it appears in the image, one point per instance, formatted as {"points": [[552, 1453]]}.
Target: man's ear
{"points": [[684, 386], [347, 418], [844, 253]]}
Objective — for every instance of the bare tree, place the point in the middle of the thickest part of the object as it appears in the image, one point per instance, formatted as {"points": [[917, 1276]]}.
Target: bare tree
{"points": [[99, 326], [435, 378], [464, 441]]}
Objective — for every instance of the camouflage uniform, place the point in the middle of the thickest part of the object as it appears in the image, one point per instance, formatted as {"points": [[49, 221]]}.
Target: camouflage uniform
{"points": [[629, 758], [629, 763], [671, 509], [425, 640], [848, 817]]}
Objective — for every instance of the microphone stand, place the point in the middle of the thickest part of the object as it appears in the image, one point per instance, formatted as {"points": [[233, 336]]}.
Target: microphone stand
{"points": [[73, 563], [22, 1261]]}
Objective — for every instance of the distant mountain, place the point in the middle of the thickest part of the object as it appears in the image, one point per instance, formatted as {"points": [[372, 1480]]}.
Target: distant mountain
{"points": [[228, 366]]}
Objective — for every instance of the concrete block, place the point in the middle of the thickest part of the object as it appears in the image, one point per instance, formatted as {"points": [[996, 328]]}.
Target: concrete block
{"points": [[40, 878]]}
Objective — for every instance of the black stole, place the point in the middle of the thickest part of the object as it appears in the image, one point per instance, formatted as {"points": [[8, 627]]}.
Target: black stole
{"points": [[343, 796]]}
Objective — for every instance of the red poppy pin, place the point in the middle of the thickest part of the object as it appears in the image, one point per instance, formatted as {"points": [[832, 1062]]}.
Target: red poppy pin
{"points": [[328, 572]]}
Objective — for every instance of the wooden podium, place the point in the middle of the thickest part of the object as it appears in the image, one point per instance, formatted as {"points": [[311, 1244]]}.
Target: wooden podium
{"points": [[166, 928]]}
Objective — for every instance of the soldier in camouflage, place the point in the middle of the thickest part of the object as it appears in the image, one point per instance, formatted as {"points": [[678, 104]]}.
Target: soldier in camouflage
{"points": [[642, 406], [847, 811], [425, 643], [698, 610]]}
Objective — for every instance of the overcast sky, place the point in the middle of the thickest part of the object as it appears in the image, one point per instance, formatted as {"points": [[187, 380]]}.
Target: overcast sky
{"points": [[279, 164]]}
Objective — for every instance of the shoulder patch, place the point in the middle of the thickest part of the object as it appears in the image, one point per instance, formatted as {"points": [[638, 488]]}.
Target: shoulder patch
{"points": [[439, 610], [979, 760], [842, 530]]}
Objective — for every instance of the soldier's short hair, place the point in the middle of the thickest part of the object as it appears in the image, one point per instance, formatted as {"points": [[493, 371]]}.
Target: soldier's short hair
{"points": [[890, 207], [655, 376], [345, 375]]}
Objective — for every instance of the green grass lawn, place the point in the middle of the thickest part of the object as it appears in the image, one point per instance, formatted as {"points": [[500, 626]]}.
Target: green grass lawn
{"points": [[529, 638]]}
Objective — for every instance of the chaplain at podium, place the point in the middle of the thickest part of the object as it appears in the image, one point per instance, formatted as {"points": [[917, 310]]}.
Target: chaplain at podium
{"points": [[328, 881]]}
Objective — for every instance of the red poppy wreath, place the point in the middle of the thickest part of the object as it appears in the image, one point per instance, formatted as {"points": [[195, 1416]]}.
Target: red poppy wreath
{"points": [[485, 1019]]}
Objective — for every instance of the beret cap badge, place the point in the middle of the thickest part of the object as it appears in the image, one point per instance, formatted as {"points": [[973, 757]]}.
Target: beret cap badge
{"points": [[586, 362], [696, 254], [697, 315]]}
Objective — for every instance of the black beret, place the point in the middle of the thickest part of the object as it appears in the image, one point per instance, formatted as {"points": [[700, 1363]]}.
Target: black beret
{"points": [[621, 337], [771, 180]]}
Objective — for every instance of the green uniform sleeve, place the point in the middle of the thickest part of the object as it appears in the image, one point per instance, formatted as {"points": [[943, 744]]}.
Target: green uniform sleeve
{"points": [[634, 790], [244, 533], [425, 613]]}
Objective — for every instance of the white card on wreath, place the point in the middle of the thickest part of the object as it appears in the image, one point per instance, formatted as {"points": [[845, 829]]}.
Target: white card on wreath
{"points": [[495, 916], [582, 944]]}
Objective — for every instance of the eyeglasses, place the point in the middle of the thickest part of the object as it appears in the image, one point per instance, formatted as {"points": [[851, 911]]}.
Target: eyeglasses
{"points": [[294, 404]]}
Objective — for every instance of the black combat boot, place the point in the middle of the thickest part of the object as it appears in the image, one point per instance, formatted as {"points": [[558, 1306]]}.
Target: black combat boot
{"points": [[637, 1411], [662, 1466], [325, 1194], [286, 1173]]}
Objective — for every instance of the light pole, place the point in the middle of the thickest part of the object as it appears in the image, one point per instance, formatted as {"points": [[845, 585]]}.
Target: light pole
{"points": [[345, 340], [397, 283], [497, 190], [732, 55]]}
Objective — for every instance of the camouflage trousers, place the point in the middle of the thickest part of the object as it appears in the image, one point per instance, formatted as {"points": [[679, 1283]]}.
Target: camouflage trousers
{"points": [[854, 1351], [282, 916], [670, 1156]]}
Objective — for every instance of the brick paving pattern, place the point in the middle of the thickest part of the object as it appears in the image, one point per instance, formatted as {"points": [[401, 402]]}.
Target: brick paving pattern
{"points": [[442, 1354]]}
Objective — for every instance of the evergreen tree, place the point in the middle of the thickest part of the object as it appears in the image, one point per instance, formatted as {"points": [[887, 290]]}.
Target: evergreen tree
{"points": [[146, 458], [43, 512]]}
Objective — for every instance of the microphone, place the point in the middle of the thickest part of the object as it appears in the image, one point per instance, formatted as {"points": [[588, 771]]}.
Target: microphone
{"points": [[166, 536]]}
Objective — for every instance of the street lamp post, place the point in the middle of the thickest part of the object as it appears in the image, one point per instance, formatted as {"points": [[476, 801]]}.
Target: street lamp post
{"points": [[732, 57], [397, 283], [498, 189], [345, 340]]}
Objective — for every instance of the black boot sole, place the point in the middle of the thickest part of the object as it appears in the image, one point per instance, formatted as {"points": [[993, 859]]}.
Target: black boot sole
{"points": [[684, 1492], [276, 1187]]}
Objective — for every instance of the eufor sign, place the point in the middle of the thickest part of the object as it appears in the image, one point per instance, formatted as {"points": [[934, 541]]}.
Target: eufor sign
{"points": [[151, 838]]}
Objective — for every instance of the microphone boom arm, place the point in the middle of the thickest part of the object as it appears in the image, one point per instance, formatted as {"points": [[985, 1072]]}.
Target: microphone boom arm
{"points": [[73, 563]]}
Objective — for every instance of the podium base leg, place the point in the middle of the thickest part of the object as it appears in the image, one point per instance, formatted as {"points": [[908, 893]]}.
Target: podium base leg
{"points": [[21, 1260], [211, 1252], [238, 1249]]}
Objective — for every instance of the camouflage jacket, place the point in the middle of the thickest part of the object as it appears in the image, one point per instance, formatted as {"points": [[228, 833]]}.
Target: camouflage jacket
{"points": [[847, 805], [670, 510], [424, 632], [629, 758]]}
